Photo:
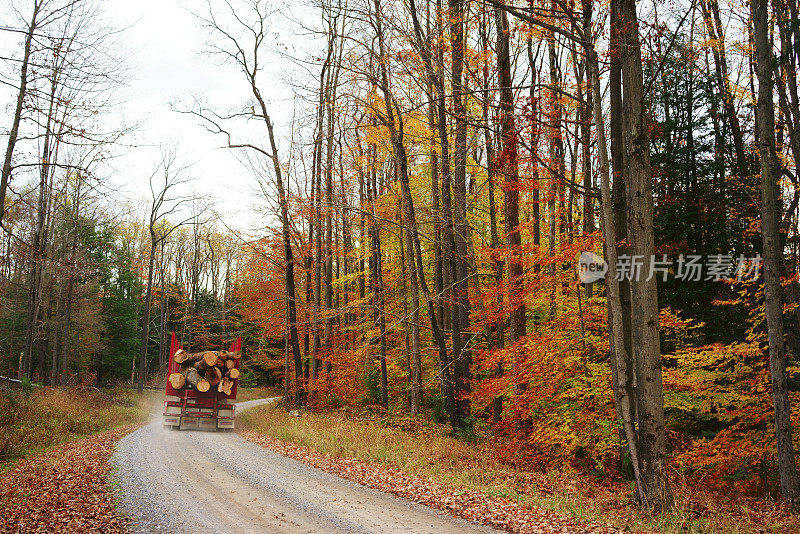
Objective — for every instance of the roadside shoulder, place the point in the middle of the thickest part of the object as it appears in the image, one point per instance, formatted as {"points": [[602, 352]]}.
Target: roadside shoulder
{"points": [[475, 506]]}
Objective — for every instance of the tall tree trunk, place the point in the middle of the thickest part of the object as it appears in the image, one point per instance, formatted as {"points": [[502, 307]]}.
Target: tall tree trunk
{"points": [[289, 281], [39, 245], [508, 167], [395, 125], [441, 310], [586, 157], [557, 169], [773, 253], [53, 381], [644, 298], [379, 301], [497, 330], [461, 307], [623, 396], [330, 96], [148, 298], [619, 219], [66, 331], [416, 361], [710, 9], [534, 142]]}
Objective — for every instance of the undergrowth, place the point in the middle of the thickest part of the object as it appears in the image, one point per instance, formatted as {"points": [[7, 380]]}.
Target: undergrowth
{"points": [[428, 449], [33, 420]]}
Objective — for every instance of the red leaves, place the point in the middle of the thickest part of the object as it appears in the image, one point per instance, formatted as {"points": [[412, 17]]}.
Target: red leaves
{"points": [[63, 490]]}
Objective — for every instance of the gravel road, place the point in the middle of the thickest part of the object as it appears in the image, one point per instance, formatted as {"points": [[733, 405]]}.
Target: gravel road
{"points": [[170, 481]]}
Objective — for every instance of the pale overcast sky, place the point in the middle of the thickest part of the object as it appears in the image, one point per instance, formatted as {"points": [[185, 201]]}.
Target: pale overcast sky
{"points": [[170, 65], [165, 52]]}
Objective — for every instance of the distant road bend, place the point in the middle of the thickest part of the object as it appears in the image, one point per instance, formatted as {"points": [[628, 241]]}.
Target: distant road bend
{"points": [[185, 481]]}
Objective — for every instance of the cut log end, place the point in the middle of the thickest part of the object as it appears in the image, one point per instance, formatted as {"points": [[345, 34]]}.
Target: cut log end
{"points": [[194, 378], [180, 356], [235, 355], [177, 380], [213, 375], [225, 386], [210, 357], [233, 373], [229, 364], [203, 385]]}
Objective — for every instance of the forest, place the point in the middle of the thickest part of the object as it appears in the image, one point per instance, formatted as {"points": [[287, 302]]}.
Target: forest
{"points": [[571, 226]]}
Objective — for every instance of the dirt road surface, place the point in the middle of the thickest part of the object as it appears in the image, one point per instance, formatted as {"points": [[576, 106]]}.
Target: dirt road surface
{"points": [[190, 481]]}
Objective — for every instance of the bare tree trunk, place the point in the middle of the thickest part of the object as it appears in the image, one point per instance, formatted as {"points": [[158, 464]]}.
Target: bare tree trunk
{"points": [[716, 34], [416, 361], [534, 142], [163, 346], [148, 297], [330, 97], [438, 311], [627, 378], [67, 323], [39, 245], [378, 300], [53, 381], [557, 168], [623, 397], [22, 91], [586, 157], [318, 263], [247, 59]]}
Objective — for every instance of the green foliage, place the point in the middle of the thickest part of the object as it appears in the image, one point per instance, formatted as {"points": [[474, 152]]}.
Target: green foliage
{"points": [[27, 386], [700, 207], [468, 431], [372, 387], [248, 378], [121, 299], [434, 402], [334, 401]]}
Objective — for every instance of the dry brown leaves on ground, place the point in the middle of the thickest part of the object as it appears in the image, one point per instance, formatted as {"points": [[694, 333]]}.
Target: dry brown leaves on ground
{"points": [[497, 512], [63, 490]]}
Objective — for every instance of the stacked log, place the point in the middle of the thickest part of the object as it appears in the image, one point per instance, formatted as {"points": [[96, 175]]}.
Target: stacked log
{"points": [[204, 370], [225, 386]]}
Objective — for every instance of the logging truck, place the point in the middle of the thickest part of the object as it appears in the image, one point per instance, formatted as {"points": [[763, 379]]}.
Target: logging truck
{"points": [[201, 388]]}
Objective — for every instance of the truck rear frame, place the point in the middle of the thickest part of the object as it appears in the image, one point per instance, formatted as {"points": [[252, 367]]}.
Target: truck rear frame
{"points": [[188, 409]]}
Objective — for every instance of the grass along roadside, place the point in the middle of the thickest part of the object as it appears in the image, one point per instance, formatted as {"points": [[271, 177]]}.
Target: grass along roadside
{"points": [[427, 451], [248, 394], [33, 421]]}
